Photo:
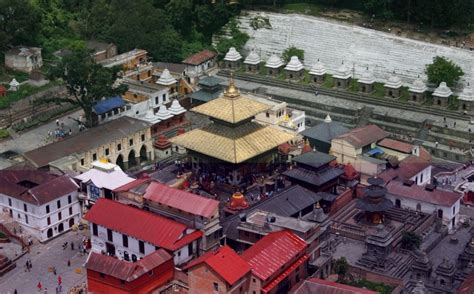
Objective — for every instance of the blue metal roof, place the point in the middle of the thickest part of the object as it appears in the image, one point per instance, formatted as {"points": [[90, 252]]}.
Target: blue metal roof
{"points": [[375, 151], [108, 104]]}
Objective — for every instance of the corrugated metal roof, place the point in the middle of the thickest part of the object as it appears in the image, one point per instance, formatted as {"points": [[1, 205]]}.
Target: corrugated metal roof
{"points": [[314, 159], [108, 104], [178, 199], [225, 262], [124, 270], [437, 196], [273, 252], [363, 136], [396, 145], [325, 132], [140, 224]]}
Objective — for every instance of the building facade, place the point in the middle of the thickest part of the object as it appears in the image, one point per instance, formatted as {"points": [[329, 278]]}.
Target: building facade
{"points": [[44, 204], [25, 59]]}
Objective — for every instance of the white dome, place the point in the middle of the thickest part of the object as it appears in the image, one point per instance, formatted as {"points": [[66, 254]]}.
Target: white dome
{"points": [[14, 83], [467, 94], [274, 62], [232, 55], [163, 113], [252, 58], [418, 86], [166, 79], [393, 82], [294, 64], [328, 119], [367, 77], [443, 91], [176, 108], [343, 72], [318, 69]]}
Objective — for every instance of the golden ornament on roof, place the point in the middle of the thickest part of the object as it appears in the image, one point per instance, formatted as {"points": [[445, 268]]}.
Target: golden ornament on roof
{"points": [[231, 90]]}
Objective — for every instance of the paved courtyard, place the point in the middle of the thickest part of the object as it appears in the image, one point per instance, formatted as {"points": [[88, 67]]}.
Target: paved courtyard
{"points": [[36, 137], [43, 256]]}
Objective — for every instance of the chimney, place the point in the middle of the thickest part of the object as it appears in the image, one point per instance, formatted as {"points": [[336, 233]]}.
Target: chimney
{"points": [[430, 187], [408, 183]]}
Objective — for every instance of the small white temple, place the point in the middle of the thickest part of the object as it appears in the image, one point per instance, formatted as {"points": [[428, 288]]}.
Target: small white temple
{"points": [[318, 72], [274, 65], [342, 77], [294, 69], [441, 95], [252, 62], [393, 86], [232, 59], [366, 81]]}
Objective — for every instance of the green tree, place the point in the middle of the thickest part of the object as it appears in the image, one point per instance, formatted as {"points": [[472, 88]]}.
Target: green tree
{"points": [[410, 241], [86, 82], [443, 70], [237, 40], [341, 268], [18, 23], [292, 51]]}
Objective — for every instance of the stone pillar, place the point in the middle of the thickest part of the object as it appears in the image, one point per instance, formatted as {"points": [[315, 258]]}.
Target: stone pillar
{"points": [[138, 160], [125, 165]]}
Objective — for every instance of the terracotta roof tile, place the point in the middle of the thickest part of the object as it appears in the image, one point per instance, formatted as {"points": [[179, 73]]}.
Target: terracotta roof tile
{"points": [[437, 196], [406, 169], [200, 57], [396, 145], [225, 262], [124, 270], [363, 136], [140, 224], [272, 252]]}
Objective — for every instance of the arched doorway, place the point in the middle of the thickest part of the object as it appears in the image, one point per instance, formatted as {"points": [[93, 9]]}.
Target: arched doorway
{"points": [[131, 159], [119, 161], [143, 155], [440, 213], [60, 228], [49, 233], [71, 222]]}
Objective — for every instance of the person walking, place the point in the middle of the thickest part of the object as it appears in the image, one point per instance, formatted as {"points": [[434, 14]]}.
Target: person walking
{"points": [[72, 245], [57, 122]]}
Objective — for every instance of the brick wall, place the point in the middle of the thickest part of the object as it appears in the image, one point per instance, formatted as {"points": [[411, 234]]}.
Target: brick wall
{"points": [[344, 198]]}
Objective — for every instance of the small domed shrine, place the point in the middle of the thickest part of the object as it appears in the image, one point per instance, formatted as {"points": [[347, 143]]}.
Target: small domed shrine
{"points": [[366, 82], [274, 65], [441, 95], [162, 147], [294, 69], [342, 77], [232, 59], [237, 202], [252, 62], [417, 91], [318, 73], [393, 86], [466, 99]]}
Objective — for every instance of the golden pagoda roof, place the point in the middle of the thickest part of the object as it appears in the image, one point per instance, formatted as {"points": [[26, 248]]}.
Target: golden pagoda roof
{"points": [[231, 106], [234, 145]]}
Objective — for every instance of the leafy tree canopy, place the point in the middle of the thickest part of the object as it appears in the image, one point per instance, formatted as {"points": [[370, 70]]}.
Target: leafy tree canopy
{"points": [[86, 81], [443, 70], [293, 51], [410, 241], [341, 267]]}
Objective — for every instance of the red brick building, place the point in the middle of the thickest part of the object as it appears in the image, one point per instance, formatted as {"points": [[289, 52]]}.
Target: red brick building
{"points": [[278, 261], [106, 274], [219, 271]]}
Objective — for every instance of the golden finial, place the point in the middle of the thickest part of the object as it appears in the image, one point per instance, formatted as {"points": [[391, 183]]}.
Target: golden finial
{"points": [[104, 160], [231, 90]]}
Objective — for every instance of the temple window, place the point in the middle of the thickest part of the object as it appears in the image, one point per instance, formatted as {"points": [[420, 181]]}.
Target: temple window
{"points": [[107, 151], [119, 147], [157, 100], [143, 137], [130, 142], [94, 156]]}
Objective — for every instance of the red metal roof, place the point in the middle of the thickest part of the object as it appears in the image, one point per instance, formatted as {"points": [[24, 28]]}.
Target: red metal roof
{"points": [[272, 252], [396, 145], [124, 270], [437, 196], [140, 224], [285, 274], [314, 285], [363, 136], [133, 184], [46, 187], [200, 57], [225, 262], [180, 199]]}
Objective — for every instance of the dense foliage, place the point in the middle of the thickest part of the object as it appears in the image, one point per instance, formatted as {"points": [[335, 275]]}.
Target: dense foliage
{"points": [[292, 51], [341, 267], [410, 241], [86, 81], [443, 70], [169, 29]]}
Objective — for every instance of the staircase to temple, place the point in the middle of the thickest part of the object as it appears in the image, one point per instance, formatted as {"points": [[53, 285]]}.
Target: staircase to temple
{"points": [[424, 129]]}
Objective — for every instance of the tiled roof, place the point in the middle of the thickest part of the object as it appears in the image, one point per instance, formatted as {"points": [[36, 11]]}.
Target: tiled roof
{"points": [[200, 57], [363, 136], [314, 177], [396, 145], [314, 159], [234, 145], [232, 110], [467, 286], [47, 187], [182, 200], [85, 141], [285, 274], [407, 168], [210, 81], [325, 131], [177, 68], [419, 193], [225, 262], [273, 252], [134, 184], [204, 96], [124, 270], [140, 224], [314, 285]]}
